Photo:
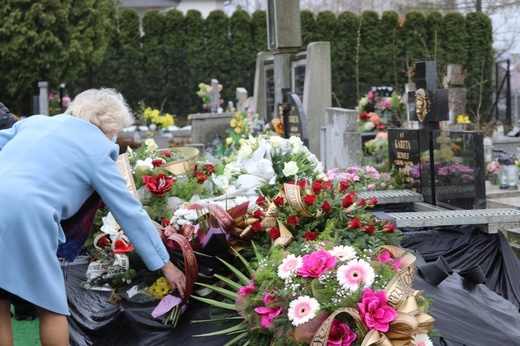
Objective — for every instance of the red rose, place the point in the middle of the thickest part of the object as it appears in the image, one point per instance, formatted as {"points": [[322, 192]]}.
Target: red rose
{"points": [[274, 233], [347, 201], [293, 220], [195, 168], [165, 222], [158, 185], [157, 163], [258, 214], [370, 229], [209, 168], [317, 186], [327, 185], [278, 201], [361, 202], [201, 177], [364, 116], [389, 227], [309, 199], [372, 201], [354, 223], [261, 200], [325, 207], [256, 226], [302, 184], [166, 153], [343, 186], [309, 236]]}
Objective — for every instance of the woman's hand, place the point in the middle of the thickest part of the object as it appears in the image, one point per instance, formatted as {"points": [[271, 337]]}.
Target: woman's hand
{"points": [[175, 277]]}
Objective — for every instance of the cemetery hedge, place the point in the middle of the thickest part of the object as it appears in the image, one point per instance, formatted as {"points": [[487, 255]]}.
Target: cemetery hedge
{"points": [[162, 62]]}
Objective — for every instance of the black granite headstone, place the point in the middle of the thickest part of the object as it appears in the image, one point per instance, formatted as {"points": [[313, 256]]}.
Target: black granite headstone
{"points": [[404, 154], [299, 80], [269, 90], [459, 169], [293, 115]]}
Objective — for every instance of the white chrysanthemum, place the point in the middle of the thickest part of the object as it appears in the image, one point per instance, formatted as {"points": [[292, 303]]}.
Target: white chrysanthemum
{"points": [[302, 310], [150, 145], [356, 272], [290, 168], [146, 163], [369, 126], [343, 253], [422, 340], [289, 266]]}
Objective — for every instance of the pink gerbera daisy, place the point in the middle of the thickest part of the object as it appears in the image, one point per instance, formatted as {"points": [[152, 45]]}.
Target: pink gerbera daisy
{"points": [[302, 310], [289, 266], [354, 273]]}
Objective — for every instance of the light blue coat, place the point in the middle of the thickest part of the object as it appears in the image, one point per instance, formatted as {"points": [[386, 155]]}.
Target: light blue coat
{"points": [[49, 166]]}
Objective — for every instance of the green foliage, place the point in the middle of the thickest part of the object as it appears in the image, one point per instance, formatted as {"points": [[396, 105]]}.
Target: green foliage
{"points": [[131, 60], [309, 28], [455, 39], [49, 41], [479, 64], [218, 53], [243, 55], [344, 59], [174, 47], [258, 20], [435, 29], [326, 23], [391, 56], [196, 59], [414, 37], [370, 66]]}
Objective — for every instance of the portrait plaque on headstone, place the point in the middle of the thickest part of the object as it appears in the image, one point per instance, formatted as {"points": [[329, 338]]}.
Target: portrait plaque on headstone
{"points": [[294, 119]]}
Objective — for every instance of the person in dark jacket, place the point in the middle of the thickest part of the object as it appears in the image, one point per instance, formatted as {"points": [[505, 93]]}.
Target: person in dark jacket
{"points": [[7, 119]]}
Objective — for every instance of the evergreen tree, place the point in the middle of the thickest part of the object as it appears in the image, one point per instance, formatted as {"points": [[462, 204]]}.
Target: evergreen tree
{"points": [[308, 28], [258, 21], [196, 59], [344, 61], [242, 53], [394, 73], [370, 66], [49, 41]]}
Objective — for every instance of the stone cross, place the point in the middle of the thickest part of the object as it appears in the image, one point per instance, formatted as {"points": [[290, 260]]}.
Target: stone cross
{"points": [[241, 94], [214, 96]]}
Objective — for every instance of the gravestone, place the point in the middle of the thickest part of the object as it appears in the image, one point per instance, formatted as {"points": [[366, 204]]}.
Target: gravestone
{"points": [[269, 90], [298, 67], [294, 119], [404, 154], [455, 180], [242, 102], [260, 88], [214, 96], [454, 82], [340, 139], [43, 100]]}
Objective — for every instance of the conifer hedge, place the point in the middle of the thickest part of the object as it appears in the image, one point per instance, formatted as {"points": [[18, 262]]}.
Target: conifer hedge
{"points": [[162, 59]]}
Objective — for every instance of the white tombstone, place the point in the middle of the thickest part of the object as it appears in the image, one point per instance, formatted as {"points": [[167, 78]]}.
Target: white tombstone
{"points": [[44, 98]]}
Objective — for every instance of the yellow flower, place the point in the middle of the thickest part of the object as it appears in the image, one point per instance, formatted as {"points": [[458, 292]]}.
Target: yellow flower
{"points": [[229, 140], [160, 288], [233, 122], [463, 119]]}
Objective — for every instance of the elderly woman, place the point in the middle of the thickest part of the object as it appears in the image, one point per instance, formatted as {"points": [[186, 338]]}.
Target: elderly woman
{"points": [[49, 167]]}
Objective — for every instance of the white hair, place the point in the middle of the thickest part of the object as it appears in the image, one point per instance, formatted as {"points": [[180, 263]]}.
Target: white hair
{"points": [[105, 108]]}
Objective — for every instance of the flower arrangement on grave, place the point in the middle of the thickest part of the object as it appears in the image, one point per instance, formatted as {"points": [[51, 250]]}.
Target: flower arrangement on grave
{"points": [[242, 125], [333, 284], [370, 122], [376, 151], [492, 171], [265, 163], [204, 93], [155, 119], [366, 178], [393, 109], [448, 167], [54, 103]]}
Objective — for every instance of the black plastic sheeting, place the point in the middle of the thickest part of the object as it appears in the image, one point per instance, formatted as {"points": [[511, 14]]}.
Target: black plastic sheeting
{"points": [[466, 313]]}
